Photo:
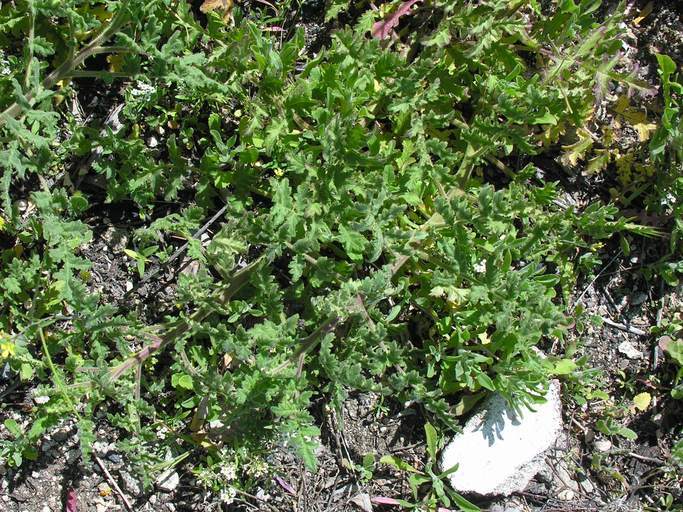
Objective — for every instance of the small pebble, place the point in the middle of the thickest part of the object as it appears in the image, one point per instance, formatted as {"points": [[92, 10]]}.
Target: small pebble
{"points": [[114, 457], [603, 445], [130, 484], [627, 348], [100, 446], [168, 481], [21, 205], [566, 495], [72, 456]]}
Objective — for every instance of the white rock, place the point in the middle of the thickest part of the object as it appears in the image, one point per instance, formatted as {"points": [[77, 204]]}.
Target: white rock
{"points": [[168, 481], [587, 486], [603, 445], [130, 484], [498, 451], [566, 495], [627, 348]]}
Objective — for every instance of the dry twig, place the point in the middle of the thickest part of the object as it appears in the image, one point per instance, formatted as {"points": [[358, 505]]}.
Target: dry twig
{"points": [[113, 484]]}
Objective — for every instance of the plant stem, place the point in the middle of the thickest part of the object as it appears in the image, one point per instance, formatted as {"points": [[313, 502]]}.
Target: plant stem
{"points": [[55, 375], [182, 327], [71, 63]]}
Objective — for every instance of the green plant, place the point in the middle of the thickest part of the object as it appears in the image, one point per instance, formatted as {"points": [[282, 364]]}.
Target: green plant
{"points": [[611, 427], [385, 229], [669, 135], [365, 469], [141, 258], [437, 492], [673, 347]]}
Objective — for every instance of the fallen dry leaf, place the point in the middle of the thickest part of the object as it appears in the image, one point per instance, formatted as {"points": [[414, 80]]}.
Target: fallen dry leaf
{"points": [[362, 501], [384, 28]]}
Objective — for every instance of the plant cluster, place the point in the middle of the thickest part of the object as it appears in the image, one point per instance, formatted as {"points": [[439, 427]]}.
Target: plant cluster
{"points": [[385, 228]]}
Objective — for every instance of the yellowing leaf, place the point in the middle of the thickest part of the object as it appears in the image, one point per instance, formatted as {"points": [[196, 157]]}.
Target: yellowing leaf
{"points": [[115, 62], [101, 13], [131, 254], [642, 401], [644, 130], [466, 403], [599, 162], [634, 116], [647, 10], [551, 134], [216, 5], [621, 105], [575, 152], [200, 415]]}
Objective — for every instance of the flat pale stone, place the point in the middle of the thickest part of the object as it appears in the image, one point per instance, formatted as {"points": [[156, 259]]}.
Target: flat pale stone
{"points": [[499, 452], [168, 481]]}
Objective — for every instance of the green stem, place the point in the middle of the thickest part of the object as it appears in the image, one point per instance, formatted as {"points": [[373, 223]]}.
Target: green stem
{"points": [[31, 42], [182, 327], [58, 380], [97, 74], [95, 46]]}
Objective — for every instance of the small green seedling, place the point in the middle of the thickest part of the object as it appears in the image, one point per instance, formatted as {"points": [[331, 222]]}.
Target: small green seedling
{"points": [[430, 483], [142, 257]]}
